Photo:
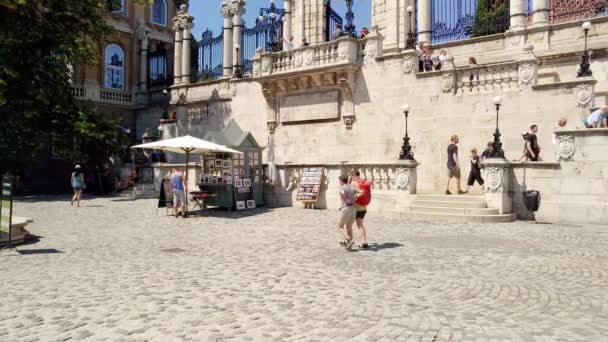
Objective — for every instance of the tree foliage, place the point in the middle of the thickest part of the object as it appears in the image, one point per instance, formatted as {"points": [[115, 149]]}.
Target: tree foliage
{"points": [[39, 41], [491, 16]]}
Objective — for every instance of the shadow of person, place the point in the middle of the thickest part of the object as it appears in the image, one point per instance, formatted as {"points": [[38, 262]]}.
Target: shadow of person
{"points": [[375, 247]]}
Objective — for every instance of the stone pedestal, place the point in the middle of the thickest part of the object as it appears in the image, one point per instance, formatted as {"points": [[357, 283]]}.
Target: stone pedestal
{"points": [[406, 176], [497, 173]]}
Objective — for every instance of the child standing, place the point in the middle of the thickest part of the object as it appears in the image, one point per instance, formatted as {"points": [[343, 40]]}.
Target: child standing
{"points": [[475, 173]]}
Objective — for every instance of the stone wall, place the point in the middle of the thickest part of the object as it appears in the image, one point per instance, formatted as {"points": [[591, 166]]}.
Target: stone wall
{"points": [[537, 87]]}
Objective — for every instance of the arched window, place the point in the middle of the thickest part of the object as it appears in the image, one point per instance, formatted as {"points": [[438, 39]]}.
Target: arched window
{"points": [[114, 67], [159, 12], [116, 6]]}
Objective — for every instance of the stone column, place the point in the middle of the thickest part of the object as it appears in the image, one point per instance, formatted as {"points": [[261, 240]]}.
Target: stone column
{"points": [[227, 14], [541, 12], [518, 14], [177, 51], [287, 20], [498, 182], [143, 34], [187, 23], [237, 36], [424, 21]]}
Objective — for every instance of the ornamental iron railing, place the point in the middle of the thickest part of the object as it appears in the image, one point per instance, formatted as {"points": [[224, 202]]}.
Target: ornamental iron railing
{"points": [[331, 20], [210, 59], [562, 11], [159, 71], [460, 19]]}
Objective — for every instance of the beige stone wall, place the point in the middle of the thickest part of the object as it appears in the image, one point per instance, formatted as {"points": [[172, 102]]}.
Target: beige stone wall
{"points": [[384, 84]]}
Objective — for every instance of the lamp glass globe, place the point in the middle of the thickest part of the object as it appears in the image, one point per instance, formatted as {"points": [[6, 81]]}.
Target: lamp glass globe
{"points": [[406, 108], [497, 100], [586, 25], [410, 9]]}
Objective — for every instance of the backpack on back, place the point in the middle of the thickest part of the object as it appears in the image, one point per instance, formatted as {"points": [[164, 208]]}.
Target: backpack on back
{"points": [[366, 197]]}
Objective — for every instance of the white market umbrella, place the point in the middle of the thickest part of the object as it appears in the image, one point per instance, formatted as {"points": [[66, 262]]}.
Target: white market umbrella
{"points": [[186, 145]]}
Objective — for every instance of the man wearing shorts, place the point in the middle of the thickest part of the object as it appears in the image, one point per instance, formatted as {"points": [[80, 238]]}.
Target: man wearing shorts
{"points": [[178, 185], [347, 212], [453, 167], [361, 209]]}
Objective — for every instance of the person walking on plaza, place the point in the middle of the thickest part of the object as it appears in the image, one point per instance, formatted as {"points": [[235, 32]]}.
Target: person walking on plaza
{"points": [[347, 212], [475, 173], [178, 185], [361, 202], [453, 166], [532, 148], [77, 182]]}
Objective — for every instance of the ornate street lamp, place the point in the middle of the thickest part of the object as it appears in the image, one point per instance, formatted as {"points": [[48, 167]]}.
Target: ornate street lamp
{"points": [[411, 38], [406, 149], [497, 151], [350, 18], [238, 71], [273, 14], [585, 68]]}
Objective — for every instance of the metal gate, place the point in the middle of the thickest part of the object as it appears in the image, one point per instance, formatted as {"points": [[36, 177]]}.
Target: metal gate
{"points": [[331, 20], [210, 57]]}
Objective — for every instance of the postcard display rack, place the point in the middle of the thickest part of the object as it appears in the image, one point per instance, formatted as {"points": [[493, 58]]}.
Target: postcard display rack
{"points": [[222, 175], [310, 186]]}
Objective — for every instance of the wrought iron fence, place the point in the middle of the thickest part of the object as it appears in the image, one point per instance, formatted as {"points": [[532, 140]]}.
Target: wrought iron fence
{"points": [[159, 71], [460, 19], [331, 20], [210, 61], [561, 11]]}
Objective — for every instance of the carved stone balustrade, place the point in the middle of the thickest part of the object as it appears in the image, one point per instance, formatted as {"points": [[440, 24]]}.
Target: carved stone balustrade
{"points": [[100, 95]]}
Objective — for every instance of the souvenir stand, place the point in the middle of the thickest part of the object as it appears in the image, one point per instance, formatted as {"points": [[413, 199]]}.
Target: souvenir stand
{"points": [[235, 179]]}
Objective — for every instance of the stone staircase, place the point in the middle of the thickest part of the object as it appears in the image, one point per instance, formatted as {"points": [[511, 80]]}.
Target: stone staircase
{"points": [[141, 191], [452, 208]]}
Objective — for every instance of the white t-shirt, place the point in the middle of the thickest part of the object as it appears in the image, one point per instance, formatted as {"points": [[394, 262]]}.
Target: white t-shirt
{"points": [[594, 117]]}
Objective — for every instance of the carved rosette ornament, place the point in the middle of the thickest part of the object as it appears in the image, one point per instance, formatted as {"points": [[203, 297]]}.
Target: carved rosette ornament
{"points": [[565, 147], [526, 73], [266, 64], [407, 64], [494, 179], [403, 178], [371, 49], [343, 50], [447, 83], [584, 94]]}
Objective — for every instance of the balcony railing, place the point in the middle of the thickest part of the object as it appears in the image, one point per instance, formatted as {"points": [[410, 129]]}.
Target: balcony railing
{"points": [[97, 94], [340, 52]]}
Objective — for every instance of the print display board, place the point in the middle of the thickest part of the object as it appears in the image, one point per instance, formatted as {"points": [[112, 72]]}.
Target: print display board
{"points": [[6, 207], [310, 184], [243, 194], [165, 200]]}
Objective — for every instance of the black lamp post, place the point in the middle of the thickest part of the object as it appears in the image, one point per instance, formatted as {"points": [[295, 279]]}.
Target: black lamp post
{"points": [[585, 68], [238, 72], [275, 15], [350, 18], [406, 149], [411, 38], [497, 151]]}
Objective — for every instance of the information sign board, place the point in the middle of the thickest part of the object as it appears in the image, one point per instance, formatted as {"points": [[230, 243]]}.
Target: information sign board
{"points": [[310, 184]]}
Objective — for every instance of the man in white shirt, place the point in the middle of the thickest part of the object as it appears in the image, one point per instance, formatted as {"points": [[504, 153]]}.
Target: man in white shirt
{"points": [[595, 119]]}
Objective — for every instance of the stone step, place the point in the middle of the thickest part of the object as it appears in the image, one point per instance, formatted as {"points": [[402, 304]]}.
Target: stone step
{"points": [[448, 204], [449, 210], [451, 198], [456, 218]]}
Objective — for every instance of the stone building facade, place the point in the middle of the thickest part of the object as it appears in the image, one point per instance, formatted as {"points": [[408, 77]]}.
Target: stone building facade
{"points": [[338, 105]]}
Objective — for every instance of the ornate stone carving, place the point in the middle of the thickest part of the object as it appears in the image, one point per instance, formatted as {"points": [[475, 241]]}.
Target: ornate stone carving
{"points": [[272, 126], [526, 73], [143, 32], [565, 147], [584, 94], [298, 59], [329, 79], [308, 57], [266, 64], [349, 119], [371, 49], [447, 82], [257, 66], [514, 41], [343, 50], [403, 178], [494, 179], [303, 82], [537, 38], [407, 64]]}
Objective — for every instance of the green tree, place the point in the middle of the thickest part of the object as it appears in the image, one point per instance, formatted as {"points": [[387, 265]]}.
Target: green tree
{"points": [[491, 17], [39, 40]]}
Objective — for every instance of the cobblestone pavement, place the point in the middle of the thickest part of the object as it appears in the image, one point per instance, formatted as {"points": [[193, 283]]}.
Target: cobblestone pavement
{"points": [[124, 274]]}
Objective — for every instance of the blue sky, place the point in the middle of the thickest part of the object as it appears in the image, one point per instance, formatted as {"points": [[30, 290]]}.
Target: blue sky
{"points": [[207, 13]]}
